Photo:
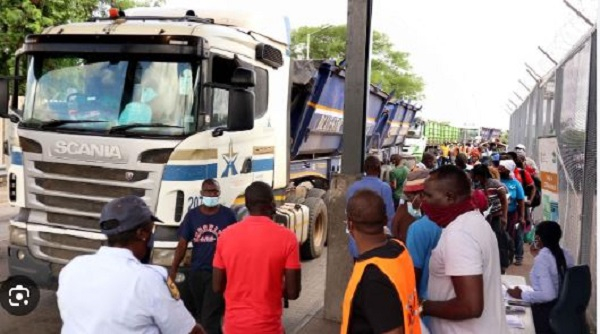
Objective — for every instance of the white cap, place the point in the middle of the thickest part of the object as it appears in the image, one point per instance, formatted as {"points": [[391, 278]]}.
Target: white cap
{"points": [[520, 146]]}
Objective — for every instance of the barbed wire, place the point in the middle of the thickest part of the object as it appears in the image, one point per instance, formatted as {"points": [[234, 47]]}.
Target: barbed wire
{"points": [[570, 31]]}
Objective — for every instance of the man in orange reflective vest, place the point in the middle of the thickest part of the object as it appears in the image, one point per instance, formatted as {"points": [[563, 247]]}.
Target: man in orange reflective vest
{"points": [[381, 296]]}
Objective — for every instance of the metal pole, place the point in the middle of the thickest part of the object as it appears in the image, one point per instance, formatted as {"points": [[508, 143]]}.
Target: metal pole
{"points": [[308, 39], [356, 94], [307, 46], [547, 55], [524, 85], [532, 72], [578, 13], [358, 55], [519, 96]]}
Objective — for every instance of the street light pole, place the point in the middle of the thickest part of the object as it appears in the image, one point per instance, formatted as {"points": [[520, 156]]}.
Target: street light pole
{"points": [[308, 39], [308, 46]]}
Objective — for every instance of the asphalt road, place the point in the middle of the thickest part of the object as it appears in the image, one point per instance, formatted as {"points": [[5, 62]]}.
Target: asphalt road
{"points": [[46, 319]]}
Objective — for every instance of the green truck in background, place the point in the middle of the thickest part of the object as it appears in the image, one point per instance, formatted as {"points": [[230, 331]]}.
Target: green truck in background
{"points": [[424, 134]]}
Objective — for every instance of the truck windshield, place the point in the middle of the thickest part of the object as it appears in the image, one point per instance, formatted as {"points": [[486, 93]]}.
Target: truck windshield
{"points": [[96, 95]]}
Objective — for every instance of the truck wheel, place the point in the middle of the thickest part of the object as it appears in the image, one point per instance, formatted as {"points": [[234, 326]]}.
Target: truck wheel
{"points": [[316, 192], [317, 228], [294, 199]]}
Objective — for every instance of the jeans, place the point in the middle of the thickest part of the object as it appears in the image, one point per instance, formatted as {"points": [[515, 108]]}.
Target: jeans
{"points": [[209, 305], [516, 233]]}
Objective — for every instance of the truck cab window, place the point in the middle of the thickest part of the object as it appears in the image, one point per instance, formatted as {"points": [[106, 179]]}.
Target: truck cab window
{"points": [[96, 94], [261, 92]]}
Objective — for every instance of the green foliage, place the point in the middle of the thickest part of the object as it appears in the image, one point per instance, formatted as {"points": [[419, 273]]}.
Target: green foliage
{"points": [[389, 68], [19, 18], [504, 137]]}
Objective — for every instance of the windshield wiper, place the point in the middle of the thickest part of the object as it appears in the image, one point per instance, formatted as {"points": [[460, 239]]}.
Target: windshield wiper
{"points": [[51, 124], [125, 127]]}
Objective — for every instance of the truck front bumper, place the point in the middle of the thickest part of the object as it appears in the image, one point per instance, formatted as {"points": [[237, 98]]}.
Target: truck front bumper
{"points": [[21, 262]]}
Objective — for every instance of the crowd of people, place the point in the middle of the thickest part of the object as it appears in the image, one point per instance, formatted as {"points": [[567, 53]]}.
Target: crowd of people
{"points": [[462, 222], [429, 246]]}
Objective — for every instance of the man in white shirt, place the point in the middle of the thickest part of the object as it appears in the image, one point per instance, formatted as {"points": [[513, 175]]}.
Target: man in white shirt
{"points": [[464, 288], [112, 291]]}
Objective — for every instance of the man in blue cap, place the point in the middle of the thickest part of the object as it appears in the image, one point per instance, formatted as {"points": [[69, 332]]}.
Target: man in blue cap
{"points": [[112, 291]]}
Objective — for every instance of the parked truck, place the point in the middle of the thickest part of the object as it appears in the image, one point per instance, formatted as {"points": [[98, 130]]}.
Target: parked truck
{"points": [[425, 134], [153, 102]]}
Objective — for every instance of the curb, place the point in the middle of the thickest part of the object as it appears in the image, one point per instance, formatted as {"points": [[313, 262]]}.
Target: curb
{"points": [[306, 320]]}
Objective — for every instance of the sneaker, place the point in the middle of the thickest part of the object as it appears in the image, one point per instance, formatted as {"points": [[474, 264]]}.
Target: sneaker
{"points": [[518, 262]]}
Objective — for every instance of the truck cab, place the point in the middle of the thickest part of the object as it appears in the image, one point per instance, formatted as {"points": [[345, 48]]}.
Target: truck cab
{"points": [[148, 104]]}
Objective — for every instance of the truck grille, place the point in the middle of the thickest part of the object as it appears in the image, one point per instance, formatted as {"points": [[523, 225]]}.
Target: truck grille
{"points": [[71, 203], [70, 241], [72, 196], [73, 221], [60, 248], [87, 188], [90, 172]]}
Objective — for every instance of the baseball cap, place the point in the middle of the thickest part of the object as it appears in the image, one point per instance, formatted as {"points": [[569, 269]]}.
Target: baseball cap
{"points": [[125, 214], [520, 146]]}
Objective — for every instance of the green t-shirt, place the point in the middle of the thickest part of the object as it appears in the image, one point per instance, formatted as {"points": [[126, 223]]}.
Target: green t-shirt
{"points": [[399, 175]]}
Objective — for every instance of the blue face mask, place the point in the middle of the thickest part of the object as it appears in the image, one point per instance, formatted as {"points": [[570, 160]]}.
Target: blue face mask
{"points": [[412, 211], [352, 247], [211, 202]]}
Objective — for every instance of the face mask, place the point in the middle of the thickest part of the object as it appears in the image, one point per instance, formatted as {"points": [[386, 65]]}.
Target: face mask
{"points": [[444, 215], [412, 211], [352, 247], [211, 202]]}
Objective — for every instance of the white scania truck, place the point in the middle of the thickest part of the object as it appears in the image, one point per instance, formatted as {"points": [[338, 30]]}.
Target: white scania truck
{"points": [[153, 102]]}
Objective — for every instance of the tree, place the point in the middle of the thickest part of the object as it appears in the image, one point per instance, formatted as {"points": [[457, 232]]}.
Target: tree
{"points": [[389, 68], [19, 18]]}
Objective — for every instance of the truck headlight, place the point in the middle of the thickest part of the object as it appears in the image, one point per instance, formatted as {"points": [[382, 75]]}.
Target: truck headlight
{"points": [[18, 236], [162, 256]]}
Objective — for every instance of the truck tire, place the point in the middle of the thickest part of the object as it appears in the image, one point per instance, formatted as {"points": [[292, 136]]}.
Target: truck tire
{"points": [[316, 192], [317, 229], [294, 199]]}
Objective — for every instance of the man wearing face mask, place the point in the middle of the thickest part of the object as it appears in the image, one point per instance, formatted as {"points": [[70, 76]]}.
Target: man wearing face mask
{"points": [[202, 226], [381, 295], [422, 235], [516, 207], [112, 291], [464, 269]]}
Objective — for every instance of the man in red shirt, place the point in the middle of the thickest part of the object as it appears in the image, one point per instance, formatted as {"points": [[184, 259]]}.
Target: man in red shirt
{"points": [[256, 264]]}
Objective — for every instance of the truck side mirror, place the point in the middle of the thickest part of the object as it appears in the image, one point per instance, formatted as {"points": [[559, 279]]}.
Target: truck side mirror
{"points": [[241, 110], [243, 77], [4, 98]]}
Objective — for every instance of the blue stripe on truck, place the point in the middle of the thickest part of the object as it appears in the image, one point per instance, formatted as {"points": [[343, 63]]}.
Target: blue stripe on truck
{"points": [[16, 158], [189, 172], [262, 165]]}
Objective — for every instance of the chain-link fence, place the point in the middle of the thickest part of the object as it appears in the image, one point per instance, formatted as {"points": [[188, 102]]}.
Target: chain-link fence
{"points": [[559, 115]]}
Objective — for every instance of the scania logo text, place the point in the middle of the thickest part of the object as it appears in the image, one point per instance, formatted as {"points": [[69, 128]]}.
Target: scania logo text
{"points": [[91, 150]]}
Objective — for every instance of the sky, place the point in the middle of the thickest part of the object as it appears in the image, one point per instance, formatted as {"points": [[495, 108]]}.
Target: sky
{"points": [[471, 54]]}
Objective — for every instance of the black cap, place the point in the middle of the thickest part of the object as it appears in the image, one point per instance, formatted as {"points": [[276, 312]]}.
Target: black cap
{"points": [[125, 214]]}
